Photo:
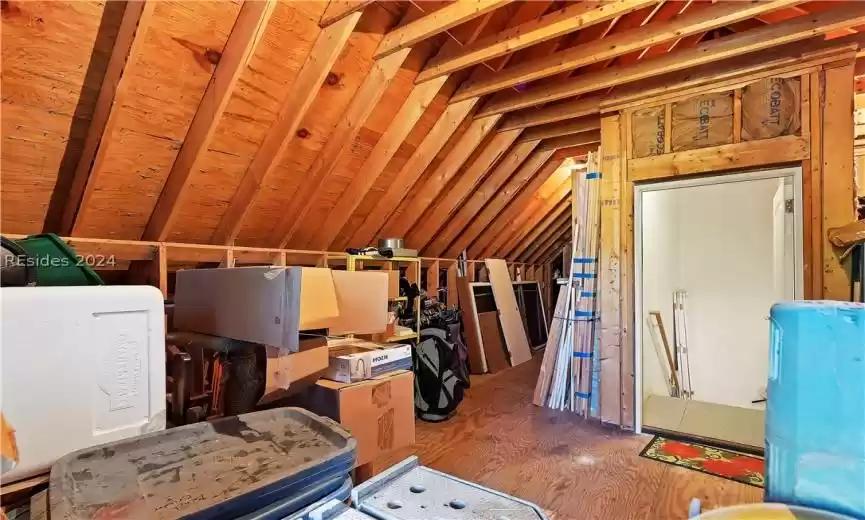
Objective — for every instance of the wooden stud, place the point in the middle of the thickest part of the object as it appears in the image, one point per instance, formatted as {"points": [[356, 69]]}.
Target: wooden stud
{"points": [[816, 182], [439, 21], [609, 283], [483, 193], [411, 171], [113, 93], [788, 148], [228, 259], [668, 128], [601, 50], [352, 120], [436, 216], [440, 177], [250, 24], [298, 99], [838, 177], [363, 180], [544, 28], [626, 285], [453, 294], [336, 10], [432, 279], [737, 115], [563, 128], [800, 28], [536, 169]]}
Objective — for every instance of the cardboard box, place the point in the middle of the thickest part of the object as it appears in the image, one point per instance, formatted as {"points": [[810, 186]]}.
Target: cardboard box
{"points": [[289, 372], [271, 305], [378, 412], [354, 360]]}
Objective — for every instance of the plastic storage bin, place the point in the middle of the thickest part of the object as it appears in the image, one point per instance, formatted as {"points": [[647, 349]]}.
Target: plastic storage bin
{"points": [[56, 263], [815, 415], [81, 366], [409, 491], [223, 469]]}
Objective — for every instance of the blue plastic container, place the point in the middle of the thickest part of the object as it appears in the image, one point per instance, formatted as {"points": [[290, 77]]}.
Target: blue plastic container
{"points": [[815, 415]]}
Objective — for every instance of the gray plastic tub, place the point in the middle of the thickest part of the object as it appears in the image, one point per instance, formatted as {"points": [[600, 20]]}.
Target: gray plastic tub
{"points": [[215, 470]]}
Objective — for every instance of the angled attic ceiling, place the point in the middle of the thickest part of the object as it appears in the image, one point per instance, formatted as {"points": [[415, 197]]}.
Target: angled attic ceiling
{"points": [[323, 125]]}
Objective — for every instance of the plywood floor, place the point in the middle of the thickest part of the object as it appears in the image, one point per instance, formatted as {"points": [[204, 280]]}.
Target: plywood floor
{"points": [[573, 469]]}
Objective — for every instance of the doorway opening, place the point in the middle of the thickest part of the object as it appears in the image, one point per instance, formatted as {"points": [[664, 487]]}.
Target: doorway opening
{"points": [[712, 255]]}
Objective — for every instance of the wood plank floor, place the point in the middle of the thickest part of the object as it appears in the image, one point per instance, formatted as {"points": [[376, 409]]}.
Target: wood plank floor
{"points": [[572, 468]]}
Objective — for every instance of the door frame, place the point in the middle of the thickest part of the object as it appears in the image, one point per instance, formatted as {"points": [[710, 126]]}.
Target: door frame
{"points": [[795, 172]]}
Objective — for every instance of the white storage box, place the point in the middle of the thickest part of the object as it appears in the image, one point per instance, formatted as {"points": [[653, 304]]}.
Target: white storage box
{"points": [[81, 366], [352, 360]]}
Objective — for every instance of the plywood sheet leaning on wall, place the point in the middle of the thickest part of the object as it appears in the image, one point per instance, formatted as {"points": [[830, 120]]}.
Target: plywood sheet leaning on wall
{"points": [[702, 121], [771, 108], [516, 340], [648, 131], [474, 343]]}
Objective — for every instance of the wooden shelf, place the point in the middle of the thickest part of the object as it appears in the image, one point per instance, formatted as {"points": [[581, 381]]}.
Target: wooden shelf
{"points": [[398, 299], [395, 339]]}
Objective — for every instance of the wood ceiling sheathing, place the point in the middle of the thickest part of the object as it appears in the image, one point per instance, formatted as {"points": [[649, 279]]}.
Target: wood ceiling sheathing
{"points": [[349, 72], [166, 80], [377, 124], [54, 58], [385, 168], [405, 151], [250, 112]]}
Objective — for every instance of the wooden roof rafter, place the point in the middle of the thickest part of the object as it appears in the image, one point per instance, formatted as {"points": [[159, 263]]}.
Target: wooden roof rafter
{"points": [[248, 28], [112, 94], [321, 58]]}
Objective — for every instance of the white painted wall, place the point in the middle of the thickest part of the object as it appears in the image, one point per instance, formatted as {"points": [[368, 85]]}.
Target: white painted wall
{"points": [[718, 243]]}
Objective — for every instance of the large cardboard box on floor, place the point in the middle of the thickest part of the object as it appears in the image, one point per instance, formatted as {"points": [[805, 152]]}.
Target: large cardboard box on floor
{"points": [[270, 305], [378, 412], [287, 373]]}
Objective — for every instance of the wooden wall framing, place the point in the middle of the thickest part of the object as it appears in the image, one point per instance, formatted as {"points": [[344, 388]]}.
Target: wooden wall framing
{"points": [[823, 148]]}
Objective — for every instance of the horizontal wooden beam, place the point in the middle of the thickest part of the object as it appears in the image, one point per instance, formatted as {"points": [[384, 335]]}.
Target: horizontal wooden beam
{"points": [[568, 127], [336, 10], [600, 50], [554, 112], [800, 28], [112, 95], [439, 21], [567, 141], [298, 100], [747, 154], [250, 23], [571, 18]]}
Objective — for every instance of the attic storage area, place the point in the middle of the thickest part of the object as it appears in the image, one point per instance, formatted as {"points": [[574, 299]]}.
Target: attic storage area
{"points": [[539, 245]]}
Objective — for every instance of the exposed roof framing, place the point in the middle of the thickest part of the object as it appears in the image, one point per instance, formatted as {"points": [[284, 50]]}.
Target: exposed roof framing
{"points": [[333, 123]]}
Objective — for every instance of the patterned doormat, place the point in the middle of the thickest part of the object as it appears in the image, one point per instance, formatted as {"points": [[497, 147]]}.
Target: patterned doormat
{"points": [[722, 463]]}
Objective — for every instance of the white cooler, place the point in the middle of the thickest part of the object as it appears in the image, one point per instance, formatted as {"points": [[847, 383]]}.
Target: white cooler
{"points": [[80, 366]]}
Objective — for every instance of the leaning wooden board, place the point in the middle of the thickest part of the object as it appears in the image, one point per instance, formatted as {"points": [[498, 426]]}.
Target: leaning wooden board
{"points": [[516, 340], [472, 332]]}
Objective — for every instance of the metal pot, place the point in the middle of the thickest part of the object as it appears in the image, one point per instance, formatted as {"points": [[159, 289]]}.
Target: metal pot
{"points": [[392, 243]]}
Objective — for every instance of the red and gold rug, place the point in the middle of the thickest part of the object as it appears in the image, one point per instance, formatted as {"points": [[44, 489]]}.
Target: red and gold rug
{"points": [[727, 464]]}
